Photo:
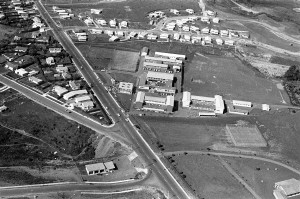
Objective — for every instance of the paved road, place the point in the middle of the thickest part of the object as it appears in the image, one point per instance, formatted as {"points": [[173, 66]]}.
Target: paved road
{"points": [[62, 110], [142, 147], [32, 190]]}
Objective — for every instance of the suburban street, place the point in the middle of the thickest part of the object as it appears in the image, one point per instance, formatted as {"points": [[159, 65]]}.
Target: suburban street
{"points": [[141, 146]]}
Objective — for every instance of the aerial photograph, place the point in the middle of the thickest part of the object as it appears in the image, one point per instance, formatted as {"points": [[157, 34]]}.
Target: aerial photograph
{"points": [[149, 99]]}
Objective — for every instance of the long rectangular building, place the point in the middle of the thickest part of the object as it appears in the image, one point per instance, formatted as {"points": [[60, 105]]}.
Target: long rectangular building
{"points": [[74, 93], [157, 76], [162, 60], [170, 55]]}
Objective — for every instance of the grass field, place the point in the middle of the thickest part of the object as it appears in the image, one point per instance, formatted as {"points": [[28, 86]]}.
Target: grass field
{"points": [[231, 79], [259, 175], [6, 30], [72, 22], [209, 178], [125, 61]]}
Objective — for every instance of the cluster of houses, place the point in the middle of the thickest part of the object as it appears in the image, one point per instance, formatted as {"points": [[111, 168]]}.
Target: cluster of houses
{"points": [[81, 35], [74, 96], [113, 23], [160, 14], [63, 13], [17, 10]]}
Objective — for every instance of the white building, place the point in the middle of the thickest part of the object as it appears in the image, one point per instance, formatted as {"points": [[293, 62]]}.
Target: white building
{"points": [[35, 80], [164, 36], [224, 33], [60, 90], [229, 42], [210, 13], [170, 55], [241, 103], [93, 169], [22, 72], [50, 61], [174, 11], [186, 99], [186, 28], [68, 95], [219, 104], [125, 87], [123, 24], [194, 28], [101, 22], [96, 11], [176, 36], [190, 11], [216, 20], [205, 30], [287, 188], [265, 107], [205, 19], [214, 31], [219, 41], [82, 98], [109, 166], [113, 23]]}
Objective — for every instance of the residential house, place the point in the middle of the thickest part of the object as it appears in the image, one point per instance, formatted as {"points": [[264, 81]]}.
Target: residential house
{"points": [[22, 72], [35, 80], [125, 87], [60, 90], [50, 61], [21, 49], [54, 50], [73, 85], [11, 66], [62, 69], [66, 75], [3, 108]]}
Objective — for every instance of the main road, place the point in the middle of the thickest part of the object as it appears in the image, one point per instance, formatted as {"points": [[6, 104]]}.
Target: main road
{"points": [[141, 146]]}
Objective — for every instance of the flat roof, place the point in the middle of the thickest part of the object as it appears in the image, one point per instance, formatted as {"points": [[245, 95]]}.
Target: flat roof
{"points": [[126, 85], [155, 99], [72, 93], [201, 98], [94, 167], [140, 97], [109, 165], [155, 64], [166, 76], [163, 59], [290, 186], [82, 98], [186, 96], [170, 55], [170, 100]]}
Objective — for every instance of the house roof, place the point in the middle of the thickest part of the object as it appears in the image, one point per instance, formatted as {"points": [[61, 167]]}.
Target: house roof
{"points": [[94, 167], [167, 76], [126, 85], [20, 48]]}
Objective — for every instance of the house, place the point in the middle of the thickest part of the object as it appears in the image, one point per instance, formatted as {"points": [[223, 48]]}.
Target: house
{"points": [[174, 11], [190, 11], [35, 35], [245, 35], [22, 72], [71, 94], [96, 11], [62, 69], [194, 28], [219, 41], [152, 37], [43, 40], [60, 90], [50, 61], [124, 24], [210, 13], [35, 80], [176, 36], [205, 30], [125, 87], [33, 72], [214, 31], [164, 36], [82, 98], [229, 42], [186, 28], [3, 108], [21, 49], [224, 33], [287, 188], [55, 50], [109, 166], [216, 20], [113, 38], [113, 23], [94, 169], [207, 40], [205, 19], [101, 22], [73, 85], [66, 75], [11, 66], [186, 99], [86, 105], [265, 107]]}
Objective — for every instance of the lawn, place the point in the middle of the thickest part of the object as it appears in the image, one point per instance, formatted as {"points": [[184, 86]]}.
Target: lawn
{"points": [[209, 178], [208, 75], [125, 60], [259, 175], [72, 22], [6, 30]]}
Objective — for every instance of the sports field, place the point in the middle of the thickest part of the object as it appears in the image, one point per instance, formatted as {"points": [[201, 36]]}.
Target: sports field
{"points": [[124, 61], [72, 22], [246, 136], [259, 175], [231, 79], [209, 178]]}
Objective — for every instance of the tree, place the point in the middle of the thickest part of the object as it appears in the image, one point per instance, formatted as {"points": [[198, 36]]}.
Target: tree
{"points": [[293, 73]]}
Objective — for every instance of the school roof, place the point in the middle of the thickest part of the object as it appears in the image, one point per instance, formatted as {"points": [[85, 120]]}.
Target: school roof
{"points": [[94, 167], [109, 165], [289, 187], [82, 98], [157, 65], [60, 90], [140, 97], [158, 75], [170, 100], [155, 99]]}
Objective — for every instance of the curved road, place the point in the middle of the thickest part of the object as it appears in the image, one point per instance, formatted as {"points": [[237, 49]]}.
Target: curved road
{"points": [[237, 156]]}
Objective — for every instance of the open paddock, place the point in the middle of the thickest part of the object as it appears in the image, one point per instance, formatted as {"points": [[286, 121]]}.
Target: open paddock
{"points": [[72, 22], [230, 78], [259, 175], [125, 60], [209, 178]]}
